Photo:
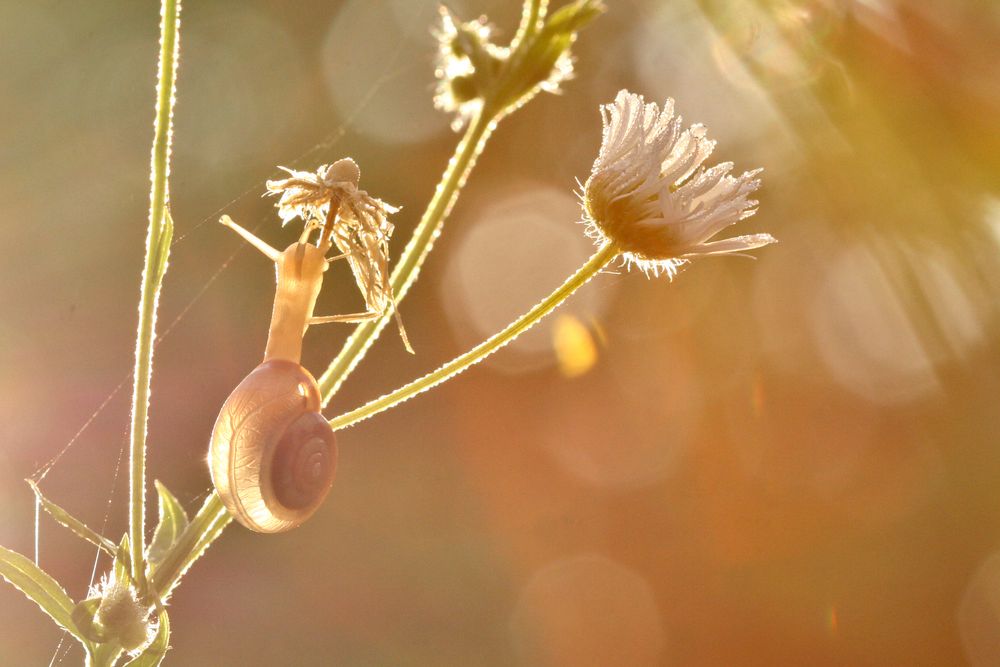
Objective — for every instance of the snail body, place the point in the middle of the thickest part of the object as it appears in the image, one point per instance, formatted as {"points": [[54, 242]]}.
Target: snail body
{"points": [[272, 454]]}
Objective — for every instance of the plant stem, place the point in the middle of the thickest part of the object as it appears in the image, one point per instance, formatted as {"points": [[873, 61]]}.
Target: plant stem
{"points": [[212, 518], [591, 268], [204, 528], [420, 244], [152, 279]]}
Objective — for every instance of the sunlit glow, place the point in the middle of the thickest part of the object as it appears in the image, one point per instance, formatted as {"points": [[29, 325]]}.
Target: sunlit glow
{"points": [[833, 620], [991, 216], [371, 76], [956, 315], [978, 614], [787, 460], [522, 244], [243, 58], [676, 32], [656, 425], [865, 334], [587, 610], [882, 18], [575, 348]]}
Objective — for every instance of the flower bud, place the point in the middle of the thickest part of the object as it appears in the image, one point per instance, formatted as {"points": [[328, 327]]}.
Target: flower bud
{"points": [[123, 617]]}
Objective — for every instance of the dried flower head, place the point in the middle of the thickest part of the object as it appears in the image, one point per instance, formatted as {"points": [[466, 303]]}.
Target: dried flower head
{"points": [[461, 46], [473, 71], [649, 193], [349, 218], [307, 195]]}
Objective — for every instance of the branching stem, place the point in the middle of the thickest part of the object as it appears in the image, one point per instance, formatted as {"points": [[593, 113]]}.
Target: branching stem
{"points": [[420, 244], [591, 268]]}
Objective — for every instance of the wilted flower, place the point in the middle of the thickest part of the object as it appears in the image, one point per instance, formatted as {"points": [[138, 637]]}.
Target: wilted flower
{"points": [[472, 71], [352, 220], [459, 45], [307, 195], [649, 193]]}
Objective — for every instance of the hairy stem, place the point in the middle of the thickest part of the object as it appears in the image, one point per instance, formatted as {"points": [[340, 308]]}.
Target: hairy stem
{"points": [[157, 243], [416, 251], [591, 268], [206, 525], [210, 521], [212, 517]]}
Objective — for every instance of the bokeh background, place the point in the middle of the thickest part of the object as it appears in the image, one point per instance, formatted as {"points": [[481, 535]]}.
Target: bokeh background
{"points": [[788, 461]]}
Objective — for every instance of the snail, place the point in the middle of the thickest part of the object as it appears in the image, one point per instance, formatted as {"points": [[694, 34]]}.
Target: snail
{"points": [[273, 455]]}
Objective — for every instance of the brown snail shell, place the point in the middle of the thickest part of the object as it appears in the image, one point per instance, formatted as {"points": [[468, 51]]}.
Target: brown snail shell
{"points": [[273, 456]]}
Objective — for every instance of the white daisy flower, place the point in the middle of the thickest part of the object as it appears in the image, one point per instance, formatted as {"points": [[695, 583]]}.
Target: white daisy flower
{"points": [[650, 195]]}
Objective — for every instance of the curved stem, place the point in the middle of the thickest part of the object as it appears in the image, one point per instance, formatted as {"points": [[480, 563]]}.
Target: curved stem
{"points": [[408, 267], [157, 243], [591, 268]]}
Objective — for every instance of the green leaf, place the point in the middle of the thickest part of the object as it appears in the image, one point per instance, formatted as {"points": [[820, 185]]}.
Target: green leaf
{"points": [[536, 57], [64, 518], [104, 655], [173, 521], [38, 586], [123, 569], [206, 525], [163, 245], [85, 616], [156, 649]]}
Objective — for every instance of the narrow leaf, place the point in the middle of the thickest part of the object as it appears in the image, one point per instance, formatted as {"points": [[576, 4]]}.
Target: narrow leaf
{"points": [[163, 245], [156, 649], [206, 525], [85, 616], [173, 521], [78, 527], [104, 655], [41, 588], [123, 567]]}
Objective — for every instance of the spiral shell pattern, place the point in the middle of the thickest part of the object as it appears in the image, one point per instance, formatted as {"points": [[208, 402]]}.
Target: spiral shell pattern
{"points": [[273, 456]]}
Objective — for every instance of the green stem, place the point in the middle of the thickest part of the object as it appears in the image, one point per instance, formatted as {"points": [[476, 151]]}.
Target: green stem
{"points": [[213, 518], [204, 528], [593, 266], [408, 267], [152, 278]]}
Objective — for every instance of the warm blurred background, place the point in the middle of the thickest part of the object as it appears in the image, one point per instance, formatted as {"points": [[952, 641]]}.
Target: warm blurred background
{"points": [[788, 461]]}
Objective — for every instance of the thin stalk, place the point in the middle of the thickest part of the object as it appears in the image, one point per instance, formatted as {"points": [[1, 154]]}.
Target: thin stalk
{"points": [[420, 244], [591, 268], [152, 279], [212, 518]]}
